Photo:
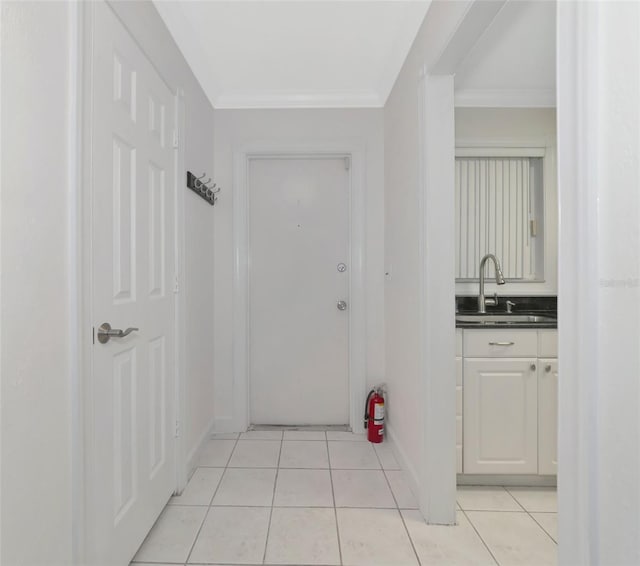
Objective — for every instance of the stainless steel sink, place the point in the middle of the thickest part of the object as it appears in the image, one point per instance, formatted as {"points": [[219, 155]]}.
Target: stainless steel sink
{"points": [[504, 319]]}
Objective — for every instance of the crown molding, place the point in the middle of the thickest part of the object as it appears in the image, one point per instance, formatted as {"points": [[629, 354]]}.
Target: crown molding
{"points": [[346, 99], [506, 98]]}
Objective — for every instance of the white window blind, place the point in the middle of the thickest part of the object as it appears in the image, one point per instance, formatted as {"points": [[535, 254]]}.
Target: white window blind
{"points": [[494, 214]]}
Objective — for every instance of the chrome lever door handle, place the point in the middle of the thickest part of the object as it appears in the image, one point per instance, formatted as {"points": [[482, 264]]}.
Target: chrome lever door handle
{"points": [[105, 332], [128, 331]]}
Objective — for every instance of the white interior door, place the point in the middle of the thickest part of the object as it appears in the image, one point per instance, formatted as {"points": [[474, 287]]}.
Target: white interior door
{"points": [[130, 444], [298, 273]]}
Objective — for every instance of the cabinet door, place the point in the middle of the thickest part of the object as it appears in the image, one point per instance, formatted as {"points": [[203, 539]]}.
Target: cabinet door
{"points": [[500, 416], [548, 417]]}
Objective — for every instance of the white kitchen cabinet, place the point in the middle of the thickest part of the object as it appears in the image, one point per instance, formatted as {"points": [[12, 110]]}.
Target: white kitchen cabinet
{"points": [[548, 416], [547, 343], [500, 416]]}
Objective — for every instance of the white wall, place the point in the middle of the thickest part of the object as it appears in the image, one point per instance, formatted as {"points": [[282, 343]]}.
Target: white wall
{"points": [[524, 127], [143, 20], [235, 128], [402, 260], [419, 323], [36, 278]]}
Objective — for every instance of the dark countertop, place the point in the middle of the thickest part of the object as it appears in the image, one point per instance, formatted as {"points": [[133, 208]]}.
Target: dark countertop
{"points": [[542, 305]]}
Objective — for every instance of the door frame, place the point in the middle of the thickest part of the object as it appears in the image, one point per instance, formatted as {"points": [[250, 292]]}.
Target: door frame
{"points": [[81, 259], [242, 157]]}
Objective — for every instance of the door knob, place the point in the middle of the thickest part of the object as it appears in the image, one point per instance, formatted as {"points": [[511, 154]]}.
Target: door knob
{"points": [[105, 332], [342, 305]]}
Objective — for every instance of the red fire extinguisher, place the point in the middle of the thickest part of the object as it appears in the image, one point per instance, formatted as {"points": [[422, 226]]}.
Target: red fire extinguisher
{"points": [[374, 415]]}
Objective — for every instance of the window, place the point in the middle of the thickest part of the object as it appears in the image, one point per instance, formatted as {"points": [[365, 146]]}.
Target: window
{"points": [[499, 204]]}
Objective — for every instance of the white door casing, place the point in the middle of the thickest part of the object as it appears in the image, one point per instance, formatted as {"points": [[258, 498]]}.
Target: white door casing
{"points": [[355, 262], [129, 410], [298, 338]]}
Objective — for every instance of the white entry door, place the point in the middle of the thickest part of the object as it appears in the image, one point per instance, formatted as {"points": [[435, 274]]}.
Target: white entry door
{"points": [[298, 283], [131, 423]]}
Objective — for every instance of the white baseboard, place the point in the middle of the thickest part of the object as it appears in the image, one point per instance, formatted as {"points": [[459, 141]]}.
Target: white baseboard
{"points": [[508, 480], [401, 457]]}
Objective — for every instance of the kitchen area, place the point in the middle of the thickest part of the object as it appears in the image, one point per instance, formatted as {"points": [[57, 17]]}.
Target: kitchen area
{"points": [[507, 389], [506, 318]]}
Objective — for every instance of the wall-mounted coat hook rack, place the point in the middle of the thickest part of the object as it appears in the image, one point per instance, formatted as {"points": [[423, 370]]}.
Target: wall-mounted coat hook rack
{"points": [[202, 188]]}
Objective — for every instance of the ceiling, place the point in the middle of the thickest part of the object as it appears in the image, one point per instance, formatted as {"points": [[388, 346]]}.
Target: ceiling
{"points": [[296, 53], [514, 62]]}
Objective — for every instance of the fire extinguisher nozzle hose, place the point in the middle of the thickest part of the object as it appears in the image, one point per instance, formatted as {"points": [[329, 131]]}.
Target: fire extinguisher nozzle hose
{"points": [[366, 409]]}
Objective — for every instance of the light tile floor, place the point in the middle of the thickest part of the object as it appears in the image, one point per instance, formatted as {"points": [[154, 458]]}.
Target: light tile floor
{"points": [[313, 498]]}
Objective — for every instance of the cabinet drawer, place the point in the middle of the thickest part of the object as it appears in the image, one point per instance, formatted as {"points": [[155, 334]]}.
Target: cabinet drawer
{"points": [[500, 343], [547, 343]]}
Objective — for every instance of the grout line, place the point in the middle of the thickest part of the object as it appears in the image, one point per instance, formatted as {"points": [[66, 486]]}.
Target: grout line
{"points": [[545, 530], [243, 564], [493, 510], [404, 524], [132, 563], [523, 510], [333, 497], [313, 507], [231, 453], [480, 536], [299, 468], [215, 491], [530, 515], [513, 497], [195, 540], [273, 497], [386, 479], [413, 546], [253, 439]]}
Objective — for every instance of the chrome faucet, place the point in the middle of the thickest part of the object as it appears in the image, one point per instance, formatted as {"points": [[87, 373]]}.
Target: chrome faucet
{"points": [[482, 302]]}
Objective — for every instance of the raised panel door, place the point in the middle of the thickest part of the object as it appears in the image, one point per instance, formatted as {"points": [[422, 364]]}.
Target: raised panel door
{"points": [[500, 416], [130, 396]]}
